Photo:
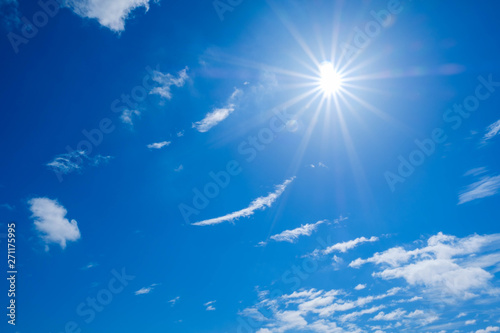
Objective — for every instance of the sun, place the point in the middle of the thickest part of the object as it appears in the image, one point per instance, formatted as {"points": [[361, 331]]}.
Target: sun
{"points": [[330, 81]]}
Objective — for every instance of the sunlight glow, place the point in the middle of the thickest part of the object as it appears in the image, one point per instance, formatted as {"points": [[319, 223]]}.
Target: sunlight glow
{"points": [[329, 81]]}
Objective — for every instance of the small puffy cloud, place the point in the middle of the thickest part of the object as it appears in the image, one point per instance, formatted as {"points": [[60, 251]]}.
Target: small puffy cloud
{"points": [[51, 222], [292, 235], [360, 287], [166, 81], [489, 329], [258, 204], [470, 322], [483, 188], [219, 114], [158, 145], [127, 116], [111, 14], [491, 131]]}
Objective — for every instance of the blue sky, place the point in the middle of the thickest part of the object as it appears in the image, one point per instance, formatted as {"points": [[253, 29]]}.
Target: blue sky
{"points": [[251, 166]]}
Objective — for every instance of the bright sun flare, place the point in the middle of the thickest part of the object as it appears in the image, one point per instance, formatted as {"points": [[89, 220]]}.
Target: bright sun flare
{"points": [[329, 80]]}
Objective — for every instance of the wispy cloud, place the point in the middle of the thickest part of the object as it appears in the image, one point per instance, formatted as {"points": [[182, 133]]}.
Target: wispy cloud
{"points": [[7, 206], [146, 290], [10, 14], [111, 14], [75, 161], [51, 222], [166, 81], [319, 165], [491, 131], [209, 306], [344, 246], [217, 115], [476, 171], [175, 300], [257, 204], [89, 266], [292, 235], [158, 145], [483, 188], [179, 168]]}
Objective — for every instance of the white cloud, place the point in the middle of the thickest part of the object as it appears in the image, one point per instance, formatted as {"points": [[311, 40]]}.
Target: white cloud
{"points": [[360, 287], [75, 161], [158, 145], [166, 81], [491, 131], [450, 266], [483, 188], [180, 134], [175, 300], [89, 266], [476, 171], [292, 235], [110, 13], [209, 306], [319, 165], [51, 222], [332, 311], [345, 246], [470, 322], [394, 315], [258, 204], [179, 168], [128, 115], [489, 329], [145, 290], [217, 115]]}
